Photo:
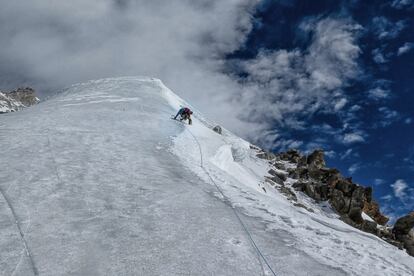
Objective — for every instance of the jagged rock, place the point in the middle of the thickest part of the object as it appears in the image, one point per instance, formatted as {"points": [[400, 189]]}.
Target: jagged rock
{"points": [[275, 179], [217, 129], [346, 197], [253, 147], [282, 176], [372, 210], [303, 206], [339, 202], [17, 99], [404, 225], [279, 166], [357, 203], [303, 161], [402, 231], [345, 186], [316, 159], [299, 186], [27, 96], [368, 194], [299, 173], [370, 227], [291, 155], [409, 246], [287, 192], [266, 155]]}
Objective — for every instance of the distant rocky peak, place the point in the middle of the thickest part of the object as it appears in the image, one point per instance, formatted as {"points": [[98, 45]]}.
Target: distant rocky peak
{"points": [[17, 99]]}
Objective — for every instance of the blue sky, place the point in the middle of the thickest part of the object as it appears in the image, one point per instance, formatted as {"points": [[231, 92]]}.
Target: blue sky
{"points": [[282, 74], [370, 136]]}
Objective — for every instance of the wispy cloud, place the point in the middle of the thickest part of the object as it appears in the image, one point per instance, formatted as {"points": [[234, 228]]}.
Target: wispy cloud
{"points": [[354, 167], [407, 47], [350, 138], [386, 29], [402, 4], [400, 187]]}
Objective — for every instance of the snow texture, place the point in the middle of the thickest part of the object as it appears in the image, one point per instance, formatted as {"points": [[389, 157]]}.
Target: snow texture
{"points": [[99, 181]]}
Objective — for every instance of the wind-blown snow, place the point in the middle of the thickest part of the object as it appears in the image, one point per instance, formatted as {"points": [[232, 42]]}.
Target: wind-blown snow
{"points": [[101, 182]]}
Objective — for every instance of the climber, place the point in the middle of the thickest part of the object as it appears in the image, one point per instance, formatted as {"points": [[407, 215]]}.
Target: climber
{"points": [[185, 114]]}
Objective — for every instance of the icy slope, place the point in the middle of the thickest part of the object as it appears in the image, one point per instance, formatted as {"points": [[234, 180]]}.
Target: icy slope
{"points": [[99, 181]]}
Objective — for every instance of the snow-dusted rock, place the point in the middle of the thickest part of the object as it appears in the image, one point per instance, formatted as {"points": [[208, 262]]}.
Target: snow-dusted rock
{"points": [[17, 99]]}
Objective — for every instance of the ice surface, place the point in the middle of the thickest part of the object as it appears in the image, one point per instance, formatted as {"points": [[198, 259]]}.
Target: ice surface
{"points": [[102, 182]]}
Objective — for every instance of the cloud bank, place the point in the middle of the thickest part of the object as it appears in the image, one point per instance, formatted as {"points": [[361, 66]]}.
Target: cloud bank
{"points": [[51, 44]]}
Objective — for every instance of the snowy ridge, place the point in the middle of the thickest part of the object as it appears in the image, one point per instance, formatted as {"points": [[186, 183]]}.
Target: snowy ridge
{"points": [[109, 185], [320, 234]]}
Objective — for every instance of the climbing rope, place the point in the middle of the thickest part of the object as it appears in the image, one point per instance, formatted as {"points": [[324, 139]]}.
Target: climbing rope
{"points": [[16, 221], [234, 209]]}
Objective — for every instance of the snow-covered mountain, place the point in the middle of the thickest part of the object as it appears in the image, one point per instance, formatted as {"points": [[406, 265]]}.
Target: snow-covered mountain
{"points": [[99, 180]]}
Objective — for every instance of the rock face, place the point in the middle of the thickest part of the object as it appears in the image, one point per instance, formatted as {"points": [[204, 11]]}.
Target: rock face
{"points": [[311, 176], [17, 99], [403, 232], [217, 129], [372, 210]]}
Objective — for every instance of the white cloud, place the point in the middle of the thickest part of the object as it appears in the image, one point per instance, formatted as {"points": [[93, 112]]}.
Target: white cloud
{"points": [[386, 29], [379, 181], [291, 84], [407, 47], [388, 116], [355, 167], [386, 197], [401, 4], [340, 104], [330, 154], [378, 56], [379, 93], [184, 43], [408, 121], [400, 187], [350, 138]]}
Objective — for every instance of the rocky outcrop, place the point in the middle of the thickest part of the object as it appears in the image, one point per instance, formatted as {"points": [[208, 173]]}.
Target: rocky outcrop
{"points": [[17, 99], [309, 175], [217, 129], [403, 232], [327, 184], [372, 210]]}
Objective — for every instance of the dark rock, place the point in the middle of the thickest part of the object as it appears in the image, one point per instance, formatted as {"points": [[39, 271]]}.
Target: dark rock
{"points": [[282, 176], [370, 227], [291, 155], [372, 209], [339, 202], [288, 193], [275, 179], [357, 203], [299, 186], [409, 246], [253, 147], [217, 129], [368, 194], [299, 173], [345, 186], [403, 225], [303, 161], [266, 155], [27, 96], [316, 159], [303, 206]]}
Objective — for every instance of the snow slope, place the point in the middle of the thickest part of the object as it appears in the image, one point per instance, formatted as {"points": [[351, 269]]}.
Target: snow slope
{"points": [[99, 181]]}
